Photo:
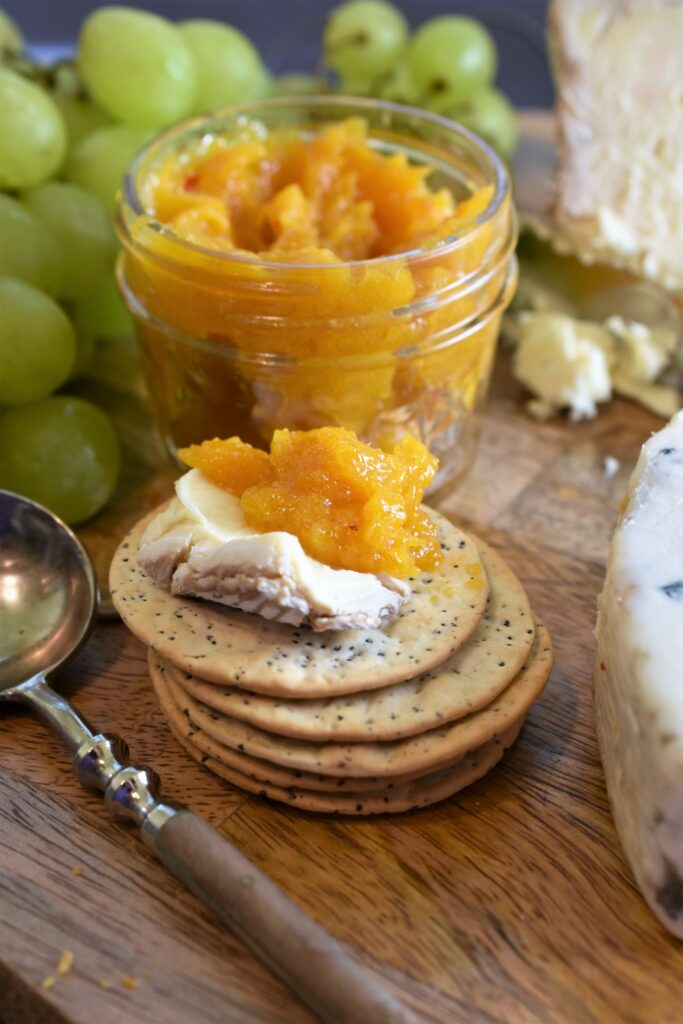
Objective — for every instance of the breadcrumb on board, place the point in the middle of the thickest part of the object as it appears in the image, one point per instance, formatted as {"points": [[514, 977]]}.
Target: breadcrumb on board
{"points": [[65, 963]]}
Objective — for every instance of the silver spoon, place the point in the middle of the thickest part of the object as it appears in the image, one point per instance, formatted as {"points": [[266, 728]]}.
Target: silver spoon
{"points": [[48, 598]]}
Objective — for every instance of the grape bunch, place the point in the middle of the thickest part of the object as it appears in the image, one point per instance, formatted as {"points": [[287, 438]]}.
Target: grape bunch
{"points": [[69, 132], [448, 66]]}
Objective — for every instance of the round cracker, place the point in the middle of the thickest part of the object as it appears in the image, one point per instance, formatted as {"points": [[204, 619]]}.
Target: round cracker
{"points": [[429, 789], [429, 751], [171, 699], [467, 681], [227, 646]]}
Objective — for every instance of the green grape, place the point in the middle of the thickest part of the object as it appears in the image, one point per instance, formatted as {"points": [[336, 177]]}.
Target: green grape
{"points": [[32, 133], [86, 345], [37, 343], [61, 452], [65, 79], [81, 117], [298, 83], [11, 39], [491, 115], [117, 366], [363, 38], [229, 68], [28, 249], [137, 66], [398, 85], [103, 314], [83, 229], [356, 86], [265, 84], [451, 58], [99, 161]]}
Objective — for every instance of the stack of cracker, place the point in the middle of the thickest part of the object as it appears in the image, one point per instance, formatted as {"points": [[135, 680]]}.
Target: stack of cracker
{"points": [[355, 722]]}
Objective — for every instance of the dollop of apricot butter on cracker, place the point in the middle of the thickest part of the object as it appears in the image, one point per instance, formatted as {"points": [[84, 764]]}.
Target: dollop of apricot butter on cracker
{"points": [[351, 505]]}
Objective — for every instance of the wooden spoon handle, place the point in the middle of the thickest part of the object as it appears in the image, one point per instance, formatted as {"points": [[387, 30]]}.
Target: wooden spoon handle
{"points": [[312, 963]]}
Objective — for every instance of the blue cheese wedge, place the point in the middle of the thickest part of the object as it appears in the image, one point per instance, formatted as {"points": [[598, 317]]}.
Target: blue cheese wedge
{"points": [[201, 546], [638, 677]]}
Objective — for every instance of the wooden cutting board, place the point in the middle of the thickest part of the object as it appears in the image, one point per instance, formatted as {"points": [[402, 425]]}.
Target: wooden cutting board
{"points": [[508, 904]]}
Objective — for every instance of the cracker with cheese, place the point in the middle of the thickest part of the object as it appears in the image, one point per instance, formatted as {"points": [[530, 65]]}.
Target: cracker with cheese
{"points": [[468, 680], [232, 647], [316, 634]]}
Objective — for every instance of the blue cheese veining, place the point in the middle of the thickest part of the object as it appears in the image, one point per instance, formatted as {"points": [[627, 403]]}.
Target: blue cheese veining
{"points": [[639, 674], [201, 546]]}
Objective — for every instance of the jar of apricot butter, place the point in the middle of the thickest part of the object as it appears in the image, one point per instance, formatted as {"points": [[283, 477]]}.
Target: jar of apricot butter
{"points": [[322, 260]]}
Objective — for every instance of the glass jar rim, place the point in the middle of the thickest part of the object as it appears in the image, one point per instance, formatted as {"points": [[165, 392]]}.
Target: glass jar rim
{"points": [[499, 178]]}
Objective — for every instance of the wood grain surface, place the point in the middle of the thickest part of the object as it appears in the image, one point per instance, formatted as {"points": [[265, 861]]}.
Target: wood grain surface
{"points": [[508, 904]]}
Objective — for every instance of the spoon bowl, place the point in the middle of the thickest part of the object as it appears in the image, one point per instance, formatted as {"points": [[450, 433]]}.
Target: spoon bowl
{"points": [[48, 593]]}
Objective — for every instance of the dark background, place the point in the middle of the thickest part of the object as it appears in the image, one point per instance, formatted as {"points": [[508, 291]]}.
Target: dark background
{"points": [[288, 32]]}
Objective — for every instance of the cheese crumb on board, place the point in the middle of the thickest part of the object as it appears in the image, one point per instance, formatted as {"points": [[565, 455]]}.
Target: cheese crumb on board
{"points": [[610, 466], [574, 364], [638, 675], [564, 363]]}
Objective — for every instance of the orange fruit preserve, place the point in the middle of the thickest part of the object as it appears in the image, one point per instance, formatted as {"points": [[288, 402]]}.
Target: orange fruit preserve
{"points": [[290, 271], [352, 506], [326, 199]]}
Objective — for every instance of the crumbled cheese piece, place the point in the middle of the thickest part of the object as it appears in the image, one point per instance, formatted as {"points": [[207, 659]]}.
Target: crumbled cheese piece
{"points": [[564, 362], [129, 982], [610, 466], [49, 982], [642, 355], [574, 364]]}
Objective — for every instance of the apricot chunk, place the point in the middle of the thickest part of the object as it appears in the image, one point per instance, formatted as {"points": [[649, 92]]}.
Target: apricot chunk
{"points": [[352, 506], [283, 195]]}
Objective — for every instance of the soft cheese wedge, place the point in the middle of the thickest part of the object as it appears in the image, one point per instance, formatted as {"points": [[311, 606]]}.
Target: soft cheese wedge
{"points": [[201, 546], [638, 675]]}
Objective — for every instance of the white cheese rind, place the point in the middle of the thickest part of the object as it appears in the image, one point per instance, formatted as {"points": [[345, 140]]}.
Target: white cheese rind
{"points": [[618, 185], [201, 546], [638, 677]]}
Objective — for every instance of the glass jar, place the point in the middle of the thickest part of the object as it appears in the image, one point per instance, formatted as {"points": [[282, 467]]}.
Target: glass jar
{"points": [[238, 345]]}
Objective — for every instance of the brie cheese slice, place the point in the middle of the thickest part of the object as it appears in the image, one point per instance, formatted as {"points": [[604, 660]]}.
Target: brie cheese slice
{"points": [[201, 546], [638, 679]]}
